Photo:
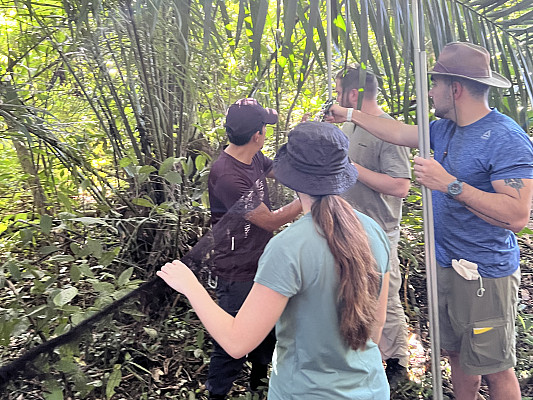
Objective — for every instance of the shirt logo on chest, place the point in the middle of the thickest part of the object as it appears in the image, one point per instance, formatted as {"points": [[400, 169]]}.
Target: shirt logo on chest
{"points": [[486, 135]]}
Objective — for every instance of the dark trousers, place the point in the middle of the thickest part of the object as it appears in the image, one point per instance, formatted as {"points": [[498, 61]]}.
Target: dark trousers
{"points": [[224, 369]]}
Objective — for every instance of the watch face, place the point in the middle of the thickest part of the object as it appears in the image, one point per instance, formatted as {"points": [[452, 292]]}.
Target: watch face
{"points": [[455, 188]]}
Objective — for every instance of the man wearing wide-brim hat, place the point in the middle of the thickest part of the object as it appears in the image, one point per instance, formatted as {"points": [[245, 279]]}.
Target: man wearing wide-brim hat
{"points": [[482, 181]]}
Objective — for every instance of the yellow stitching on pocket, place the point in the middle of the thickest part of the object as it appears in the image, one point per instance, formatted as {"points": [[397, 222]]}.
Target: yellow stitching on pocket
{"points": [[478, 331]]}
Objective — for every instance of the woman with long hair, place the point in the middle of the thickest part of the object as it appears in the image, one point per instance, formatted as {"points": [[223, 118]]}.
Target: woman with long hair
{"points": [[322, 282]]}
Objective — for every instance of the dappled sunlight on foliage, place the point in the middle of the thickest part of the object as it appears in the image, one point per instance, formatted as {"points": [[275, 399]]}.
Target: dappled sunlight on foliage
{"points": [[110, 116]]}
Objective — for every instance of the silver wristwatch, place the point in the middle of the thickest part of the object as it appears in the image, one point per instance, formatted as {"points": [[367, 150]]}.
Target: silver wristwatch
{"points": [[455, 188]]}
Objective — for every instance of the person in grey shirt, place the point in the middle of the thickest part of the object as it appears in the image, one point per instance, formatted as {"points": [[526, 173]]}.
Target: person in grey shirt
{"points": [[384, 179]]}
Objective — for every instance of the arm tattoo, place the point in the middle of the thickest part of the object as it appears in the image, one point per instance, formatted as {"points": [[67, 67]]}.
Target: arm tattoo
{"points": [[515, 183]]}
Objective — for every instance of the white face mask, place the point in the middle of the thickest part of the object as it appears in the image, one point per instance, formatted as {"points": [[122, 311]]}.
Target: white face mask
{"points": [[468, 270]]}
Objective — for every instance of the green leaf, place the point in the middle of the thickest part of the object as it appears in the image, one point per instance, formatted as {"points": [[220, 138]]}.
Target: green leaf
{"points": [[166, 165], [75, 248], [525, 231], [339, 22], [67, 365], [125, 277], [259, 15], [199, 162], [46, 223], [185, 166], [61, 258], [65, 296], [75, 273], [85, 269], [21, 216], [131, 170], [36, 310], [143, 202], [26, 235], [53, 390], [147, 169], [103, 301], [106, 258], [124, 162], [65, 200], [14, 268], [6, 328], [113, 381], [88, 221], [103, 287], [151, 332], [45, 250], [205, 199], [95, 246], [282, 61], [200, 337], [85, 184], [77, 318], [174, 177]]}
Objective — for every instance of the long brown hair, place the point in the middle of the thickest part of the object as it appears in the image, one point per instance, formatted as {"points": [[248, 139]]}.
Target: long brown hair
{"points": [[359, 281]]}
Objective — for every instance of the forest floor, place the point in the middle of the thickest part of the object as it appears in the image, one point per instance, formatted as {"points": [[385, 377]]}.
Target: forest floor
{"points": [[165, 355], [186, 374]]}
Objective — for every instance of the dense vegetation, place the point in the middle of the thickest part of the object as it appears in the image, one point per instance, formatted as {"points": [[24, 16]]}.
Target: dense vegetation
{"points": [[110, 113]]}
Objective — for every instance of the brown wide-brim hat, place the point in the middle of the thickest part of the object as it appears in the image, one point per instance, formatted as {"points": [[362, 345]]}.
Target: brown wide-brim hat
{"points": [[315, 160], [469, 61]]}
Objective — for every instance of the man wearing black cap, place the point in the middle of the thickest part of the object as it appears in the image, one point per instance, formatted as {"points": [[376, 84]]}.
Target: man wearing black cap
{"points": [[237, 184], [482, 181]]}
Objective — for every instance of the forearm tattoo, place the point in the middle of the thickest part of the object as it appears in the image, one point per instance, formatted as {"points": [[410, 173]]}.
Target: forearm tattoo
{"points": [[515, 183]]}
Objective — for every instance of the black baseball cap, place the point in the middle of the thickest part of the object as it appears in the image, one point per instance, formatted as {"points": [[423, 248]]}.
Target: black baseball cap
{"points": [[247, 115]]}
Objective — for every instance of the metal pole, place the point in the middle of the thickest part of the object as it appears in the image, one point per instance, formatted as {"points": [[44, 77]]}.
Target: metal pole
{"points": [[328, 48], [422, 113]]}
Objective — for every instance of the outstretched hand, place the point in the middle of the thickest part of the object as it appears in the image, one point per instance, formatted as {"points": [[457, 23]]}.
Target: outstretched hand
{"points": [[178, 276], [336, 114]]}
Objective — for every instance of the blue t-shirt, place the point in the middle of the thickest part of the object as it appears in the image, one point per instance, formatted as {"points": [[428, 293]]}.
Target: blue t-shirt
{"points": [[311, 360], [492, 148]]}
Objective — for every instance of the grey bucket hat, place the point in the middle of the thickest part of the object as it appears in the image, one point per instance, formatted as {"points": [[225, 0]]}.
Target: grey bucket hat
{"points": [[315, 160]]}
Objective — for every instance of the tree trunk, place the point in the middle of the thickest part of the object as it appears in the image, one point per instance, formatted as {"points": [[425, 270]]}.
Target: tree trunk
{"points": [[28, 167]]}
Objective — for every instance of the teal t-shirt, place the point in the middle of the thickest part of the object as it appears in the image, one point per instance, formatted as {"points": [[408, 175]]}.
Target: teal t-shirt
{"points": [[311, 360]]}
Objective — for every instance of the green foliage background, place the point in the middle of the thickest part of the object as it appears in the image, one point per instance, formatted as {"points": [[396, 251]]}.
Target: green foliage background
{"points": [[110, 113]]}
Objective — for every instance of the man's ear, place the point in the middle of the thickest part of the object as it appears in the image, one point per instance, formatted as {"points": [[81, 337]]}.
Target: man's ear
{"points": [[353, 95], [457, 89]]}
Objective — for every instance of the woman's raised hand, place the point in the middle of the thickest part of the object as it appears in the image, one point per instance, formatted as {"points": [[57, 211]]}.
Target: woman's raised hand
{"points": [[178, 276]]}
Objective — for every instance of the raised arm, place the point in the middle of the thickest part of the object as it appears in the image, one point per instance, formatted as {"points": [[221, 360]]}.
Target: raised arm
{"points": [[230, 190], [237, 336], [273, 220], [389, 130]]}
